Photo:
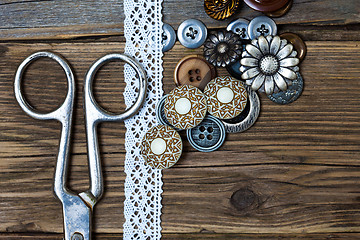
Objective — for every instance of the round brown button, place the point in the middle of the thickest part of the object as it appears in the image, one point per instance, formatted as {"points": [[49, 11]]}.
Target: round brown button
{"points": [[297, 42], [280, 12], [221, 9], [194, 70], [266, 5]]}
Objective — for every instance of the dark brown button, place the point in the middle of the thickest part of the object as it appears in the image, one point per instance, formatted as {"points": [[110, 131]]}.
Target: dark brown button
{"points": [[266, 5], [221, 9], [298, 43], [282, 11], [194, 70]]}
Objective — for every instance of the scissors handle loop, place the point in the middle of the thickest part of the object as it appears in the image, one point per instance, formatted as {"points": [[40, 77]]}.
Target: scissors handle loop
{"points": [[62, 113], [95, 114]]}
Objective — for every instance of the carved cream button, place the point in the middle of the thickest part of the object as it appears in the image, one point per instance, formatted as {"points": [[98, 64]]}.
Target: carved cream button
{"points": [[226, 97], [161, 147], [185, 107]]}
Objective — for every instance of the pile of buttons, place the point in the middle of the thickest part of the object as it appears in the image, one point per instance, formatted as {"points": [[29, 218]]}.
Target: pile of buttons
{"points": [[208, 106]]}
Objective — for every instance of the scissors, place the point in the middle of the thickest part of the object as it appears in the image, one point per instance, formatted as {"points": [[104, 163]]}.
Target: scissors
{"points": [[77, 208]]}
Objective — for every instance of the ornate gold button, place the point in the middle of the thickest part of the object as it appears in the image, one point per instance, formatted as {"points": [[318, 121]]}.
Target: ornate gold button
{"points": [[226, 97], [221, 9], [161, 147], [185, 107]]}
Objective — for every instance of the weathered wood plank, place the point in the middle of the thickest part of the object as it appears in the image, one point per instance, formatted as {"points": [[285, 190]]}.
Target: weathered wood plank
{"points": [[298, 166], [68, 19], [191, 236]]}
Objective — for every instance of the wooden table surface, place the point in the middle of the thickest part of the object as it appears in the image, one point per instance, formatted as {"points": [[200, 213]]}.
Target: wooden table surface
{"points": [[295, 174]]}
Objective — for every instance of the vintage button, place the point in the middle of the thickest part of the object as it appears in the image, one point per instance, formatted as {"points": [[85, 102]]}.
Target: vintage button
{"points": [[266, 5], [222, 48], [246, 118], [185, 107], [208, 136], [168, 37], [161, 147], [160, 114], [194, 70], [280, 12], [220, 10], [234, 69], [192, 33], [297, 42], [269, 64], [226, 97], [261, 26], [291, 94], [240, 27]]}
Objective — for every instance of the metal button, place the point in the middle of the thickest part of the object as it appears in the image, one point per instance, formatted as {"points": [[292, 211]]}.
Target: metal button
{"points": [[247, 117], [185, 107], [192, 33], [297, 42], [194, 70], [222, 48], [161, 147], [266, 5], [291, 94], [208, 136], [220, 10], [168, 37], [226, 97], [240, 27], [261, 25], [280, 12], [160, 114]]}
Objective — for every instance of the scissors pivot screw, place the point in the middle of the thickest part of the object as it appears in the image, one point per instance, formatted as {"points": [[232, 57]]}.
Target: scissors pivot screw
{"points": [[77, 236]]}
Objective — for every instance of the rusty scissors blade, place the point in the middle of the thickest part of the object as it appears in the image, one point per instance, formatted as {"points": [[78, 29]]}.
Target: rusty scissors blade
{"points": [[77, 208]]}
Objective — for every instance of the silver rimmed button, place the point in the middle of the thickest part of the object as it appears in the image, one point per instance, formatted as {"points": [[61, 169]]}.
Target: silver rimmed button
{"points": [[192, 33], [261, 26], [208, 136], [240, 27], [247, 117], [292, 92], [168, 37]]}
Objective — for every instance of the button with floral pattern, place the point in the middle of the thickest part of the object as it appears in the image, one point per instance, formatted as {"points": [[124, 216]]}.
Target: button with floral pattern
{"points": [[226, 97], [192, 33], [185, 107], [194, 70], [208, 136], [269, 64], [161, 147]]}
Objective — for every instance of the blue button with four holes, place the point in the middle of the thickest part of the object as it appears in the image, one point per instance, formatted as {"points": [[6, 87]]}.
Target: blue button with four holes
{"points": [[208, 136]]}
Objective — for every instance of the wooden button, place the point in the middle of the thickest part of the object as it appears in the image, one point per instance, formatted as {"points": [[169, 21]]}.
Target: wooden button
{"points": [[266, 5], [280, 12], [297, 42], [221, 9], [194, 70], [161, 147]]}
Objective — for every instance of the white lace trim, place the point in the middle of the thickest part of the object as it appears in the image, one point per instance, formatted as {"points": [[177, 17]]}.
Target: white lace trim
{"points": [[143, 185]]}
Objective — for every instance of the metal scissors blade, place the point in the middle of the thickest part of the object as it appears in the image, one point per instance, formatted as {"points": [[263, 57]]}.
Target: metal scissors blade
{"points": [[77, 208]]}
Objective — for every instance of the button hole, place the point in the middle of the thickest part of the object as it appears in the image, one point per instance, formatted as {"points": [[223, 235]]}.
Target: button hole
{"points": [[190, 72], [210, 129], [202, 128], [201, 136], [197, 71], [198, 78], [191, 79], [209, 137]]}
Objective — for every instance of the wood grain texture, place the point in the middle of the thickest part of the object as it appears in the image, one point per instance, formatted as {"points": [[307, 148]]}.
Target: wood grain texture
{"points": [[68, 19], [296, 171]]}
